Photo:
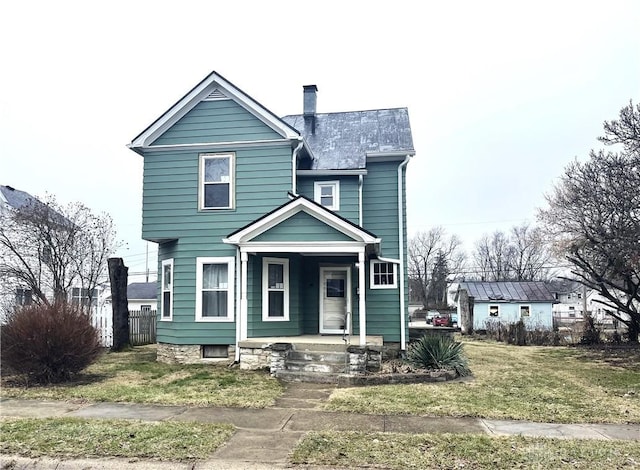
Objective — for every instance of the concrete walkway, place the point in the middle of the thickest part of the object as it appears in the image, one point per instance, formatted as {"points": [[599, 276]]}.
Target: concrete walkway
{"points": [[265, 437]]}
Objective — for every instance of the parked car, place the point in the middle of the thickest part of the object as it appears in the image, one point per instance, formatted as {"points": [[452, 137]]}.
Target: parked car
{"points": [[431, 314], [442, 320]]}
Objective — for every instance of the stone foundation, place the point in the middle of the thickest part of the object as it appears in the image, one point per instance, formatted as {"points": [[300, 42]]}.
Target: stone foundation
{"points": [[189, 354]]}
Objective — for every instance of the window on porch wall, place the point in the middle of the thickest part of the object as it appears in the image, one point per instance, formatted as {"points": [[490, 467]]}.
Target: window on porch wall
{"points": [[275, 289]]}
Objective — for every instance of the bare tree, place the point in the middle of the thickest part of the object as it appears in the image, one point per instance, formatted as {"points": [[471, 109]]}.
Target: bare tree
{"points": [[48, 249], [523, 254], [594, 215], [493, 257], [433, 252]]}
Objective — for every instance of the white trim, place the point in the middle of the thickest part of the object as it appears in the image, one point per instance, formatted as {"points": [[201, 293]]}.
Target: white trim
{"points": [[362, 305], [240, 289], [230, 262], [332, 172], [389, 156], [203, 157], [218, 146], [166, 262], [199, 93], [489, 310], [325, 248], [244, 303], [292, 208], [284, 262], [520, 311], [372, 283], [401, 243], [348, 300], [335, 193]]}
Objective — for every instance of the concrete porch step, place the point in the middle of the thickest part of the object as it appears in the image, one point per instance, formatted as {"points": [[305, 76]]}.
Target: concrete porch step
{"points": [[306, 376], [321, 367], [317, 356]]}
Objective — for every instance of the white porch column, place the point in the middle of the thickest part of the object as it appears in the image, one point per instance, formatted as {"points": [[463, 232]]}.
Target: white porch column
{"points": [[244, 258], [362, 289]]}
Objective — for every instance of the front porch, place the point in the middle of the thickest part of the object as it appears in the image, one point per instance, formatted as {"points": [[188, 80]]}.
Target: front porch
{"points": [[311, 358]]}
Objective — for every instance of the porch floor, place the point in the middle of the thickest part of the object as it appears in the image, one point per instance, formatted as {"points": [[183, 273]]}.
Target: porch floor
{"points": [[309, 339]]}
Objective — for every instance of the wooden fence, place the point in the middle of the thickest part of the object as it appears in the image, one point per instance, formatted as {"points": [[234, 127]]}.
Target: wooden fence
{"points": [[142, 326]]}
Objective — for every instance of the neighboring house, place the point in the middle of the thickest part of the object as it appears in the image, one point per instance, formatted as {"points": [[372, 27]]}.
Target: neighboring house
{"points": [[143, 296], [509, 302], [11, 292], [271, 229], [570, 300]]}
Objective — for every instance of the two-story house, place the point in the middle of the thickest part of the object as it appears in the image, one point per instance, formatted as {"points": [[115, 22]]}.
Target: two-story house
{"points": [[275, 230]]}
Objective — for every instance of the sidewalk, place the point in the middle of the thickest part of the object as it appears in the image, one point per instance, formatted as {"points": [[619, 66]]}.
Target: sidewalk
{"points": [[253, 445]]}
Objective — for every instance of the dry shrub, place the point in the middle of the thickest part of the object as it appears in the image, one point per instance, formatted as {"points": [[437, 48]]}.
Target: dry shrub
{"points": [[48, 343]]}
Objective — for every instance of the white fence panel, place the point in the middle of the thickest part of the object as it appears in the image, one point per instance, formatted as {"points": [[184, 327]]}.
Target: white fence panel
{"points": [[102, 320]]}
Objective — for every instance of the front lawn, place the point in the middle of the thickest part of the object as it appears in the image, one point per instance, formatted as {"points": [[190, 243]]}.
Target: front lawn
{"points": [[460, 451], [69, 438], [543, 384], [135, 377]]}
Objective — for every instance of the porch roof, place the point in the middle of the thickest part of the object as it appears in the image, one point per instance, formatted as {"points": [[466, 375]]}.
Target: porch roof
{"points": [[329, 232]]}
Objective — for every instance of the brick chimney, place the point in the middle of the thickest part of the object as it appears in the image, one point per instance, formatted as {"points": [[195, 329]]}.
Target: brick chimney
{"points": [[309, 106]]}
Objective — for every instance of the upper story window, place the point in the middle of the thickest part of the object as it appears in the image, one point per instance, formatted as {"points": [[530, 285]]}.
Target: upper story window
{"points": [[327, 194], [383, 275], [167, 290], [275, 289], [23, 296], [214, 289], [217, 180], [80, 296]]}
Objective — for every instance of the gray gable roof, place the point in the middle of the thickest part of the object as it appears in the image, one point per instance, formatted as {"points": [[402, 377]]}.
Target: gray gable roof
{"points": [[527, 291], [341, 141], [16, 198], [142, 290]]}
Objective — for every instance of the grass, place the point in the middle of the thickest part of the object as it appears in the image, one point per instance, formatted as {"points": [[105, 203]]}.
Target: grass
{"points": [[69, 438], [134, 376], [543, 384], [449, 451]]}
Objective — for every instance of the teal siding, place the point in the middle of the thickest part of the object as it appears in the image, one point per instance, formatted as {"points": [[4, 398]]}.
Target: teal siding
{"points": [[170, 197], [216, 121], [380, 205], [304, 227], [380, 216], [349, 198]]}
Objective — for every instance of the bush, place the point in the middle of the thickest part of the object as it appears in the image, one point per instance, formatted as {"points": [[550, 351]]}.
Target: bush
{"points": [[520, 334], [438, 352], [590, 332], [48, 343]]}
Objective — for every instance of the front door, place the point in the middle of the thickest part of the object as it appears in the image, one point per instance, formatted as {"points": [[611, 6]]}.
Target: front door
{"points": [[335, 299]]}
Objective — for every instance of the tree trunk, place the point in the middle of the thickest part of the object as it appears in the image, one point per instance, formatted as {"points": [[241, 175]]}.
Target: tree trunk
{"points": [[118, 276], [466, 312]]}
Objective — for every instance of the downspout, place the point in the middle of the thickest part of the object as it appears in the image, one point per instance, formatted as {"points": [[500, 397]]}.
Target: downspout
{"points": [[360, 200], [403, 333], [238, 296], [294, 166]]}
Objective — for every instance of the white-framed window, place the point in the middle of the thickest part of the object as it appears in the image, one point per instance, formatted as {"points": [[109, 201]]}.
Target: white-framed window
{"points": [[80, 296], [275, 289], [383, 275], [23, 296], [214, 289], [525, 311], [166, 302], [494, 310], [327, 194], [217, 180]]}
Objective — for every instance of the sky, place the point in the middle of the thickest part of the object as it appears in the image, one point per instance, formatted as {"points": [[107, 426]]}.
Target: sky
{"points": [[502, 95]]}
